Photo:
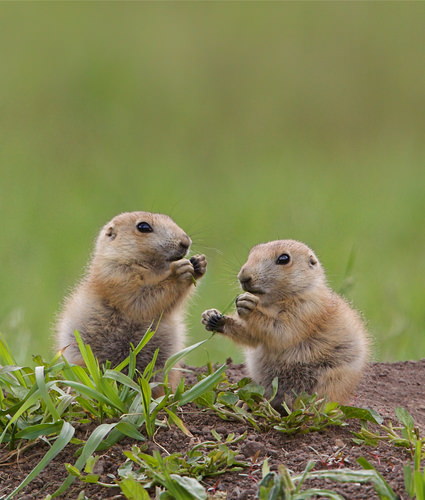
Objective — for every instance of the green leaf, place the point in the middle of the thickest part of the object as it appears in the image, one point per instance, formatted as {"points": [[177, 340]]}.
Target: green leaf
{"points": [[404, 417], [146, 395], [250, 389], [305, 474], [178, 422], [6, 358], [381, 486], [275, 387], [408, 480], [31, 399], [129, 430], [122, 379], [308, 494], [207, 399], [77, 374], [193, 489], [271, 487], [362, 414], [35, 431], [202, 386], [109, 389], [42, 387], [419, 482], [265, 468], [72, 470], [94, 394], [227, 398], [89, 358], [132, 490], [175, 358], [145, 339]]}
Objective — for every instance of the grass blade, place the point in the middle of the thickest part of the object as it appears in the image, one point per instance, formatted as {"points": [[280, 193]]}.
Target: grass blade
{"points": [[77, 374], [62, 440], [35, 431], [44, 393], [89, 448], [31, 399], [175, 358], [94, 394], [202, 386], [6, 359], [122, 379], [308, 494], [129, 429], [145, 339], [89, 359], [177, 421]]}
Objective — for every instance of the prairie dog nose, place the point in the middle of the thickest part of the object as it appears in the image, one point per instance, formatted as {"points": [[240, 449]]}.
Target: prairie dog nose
{"points": [[185, 243], [244, 277]]}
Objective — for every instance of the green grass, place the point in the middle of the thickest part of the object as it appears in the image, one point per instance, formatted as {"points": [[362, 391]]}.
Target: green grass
{"points": [[245, 123], [36, 404], [282, 485]]}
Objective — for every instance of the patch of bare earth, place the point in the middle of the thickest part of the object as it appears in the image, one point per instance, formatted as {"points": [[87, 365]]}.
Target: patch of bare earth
{"points": [[385, 386]]}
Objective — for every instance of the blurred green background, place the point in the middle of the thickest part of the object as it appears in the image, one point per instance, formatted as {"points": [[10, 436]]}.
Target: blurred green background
{"points": [[245, 122]]}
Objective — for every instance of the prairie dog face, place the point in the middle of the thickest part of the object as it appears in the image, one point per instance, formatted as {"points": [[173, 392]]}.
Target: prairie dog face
{"points": [[148, 239], [279, 269]]}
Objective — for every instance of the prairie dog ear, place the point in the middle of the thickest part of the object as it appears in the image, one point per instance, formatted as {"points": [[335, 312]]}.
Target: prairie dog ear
{"points": [[111, 233], [312, 261]]}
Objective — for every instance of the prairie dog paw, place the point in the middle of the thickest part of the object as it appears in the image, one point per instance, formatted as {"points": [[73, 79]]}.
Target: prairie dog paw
{"points": [[199, 263], [213, 320], [182, 270], [246, 303]]}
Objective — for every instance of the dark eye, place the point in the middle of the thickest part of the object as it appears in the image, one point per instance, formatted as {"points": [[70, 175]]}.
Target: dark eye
{"points": [[283, 259], [144, 227]]}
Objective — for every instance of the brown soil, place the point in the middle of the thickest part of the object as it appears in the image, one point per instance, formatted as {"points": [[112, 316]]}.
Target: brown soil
{"points": [[385, 386]]}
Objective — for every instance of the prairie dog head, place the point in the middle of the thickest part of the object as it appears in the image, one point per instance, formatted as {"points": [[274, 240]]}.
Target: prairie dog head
{"points": [[144, 238], [279, 269]]}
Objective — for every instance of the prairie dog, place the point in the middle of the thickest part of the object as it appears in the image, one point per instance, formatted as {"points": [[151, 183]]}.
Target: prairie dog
{"points": [[294, 326], [137, 277]]}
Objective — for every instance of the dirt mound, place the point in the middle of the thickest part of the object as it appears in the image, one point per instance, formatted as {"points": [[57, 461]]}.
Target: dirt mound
{"points": [[385, 387]]}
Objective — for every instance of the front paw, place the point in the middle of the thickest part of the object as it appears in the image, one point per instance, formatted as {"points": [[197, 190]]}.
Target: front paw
{"points": [[213, 320], [199, 263], [183, 270], [246, 303]]}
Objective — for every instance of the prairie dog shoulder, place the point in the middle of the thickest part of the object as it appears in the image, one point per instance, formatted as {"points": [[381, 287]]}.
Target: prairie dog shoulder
{"points": [[293, 325], [138, 276]]}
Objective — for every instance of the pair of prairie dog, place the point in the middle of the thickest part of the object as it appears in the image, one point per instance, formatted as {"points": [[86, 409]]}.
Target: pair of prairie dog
{"points": [[294, 327]]}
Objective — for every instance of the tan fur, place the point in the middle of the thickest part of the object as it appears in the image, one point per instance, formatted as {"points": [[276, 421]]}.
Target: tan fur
{"points": [[294, 326], [134, 280]]}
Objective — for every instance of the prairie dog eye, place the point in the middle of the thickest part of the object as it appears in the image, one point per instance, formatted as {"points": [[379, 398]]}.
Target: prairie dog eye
{"points": [[144, 227], [283, 259]]}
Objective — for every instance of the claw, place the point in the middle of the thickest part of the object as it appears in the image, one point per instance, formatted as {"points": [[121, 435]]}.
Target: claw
{"points": [[213, 321]]}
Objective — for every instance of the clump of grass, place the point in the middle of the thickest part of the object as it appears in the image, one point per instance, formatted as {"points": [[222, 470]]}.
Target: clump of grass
{"points": [[205, 459], [46, 402], [406, 435], [245, 401], [177, 474], [282, 484]]}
